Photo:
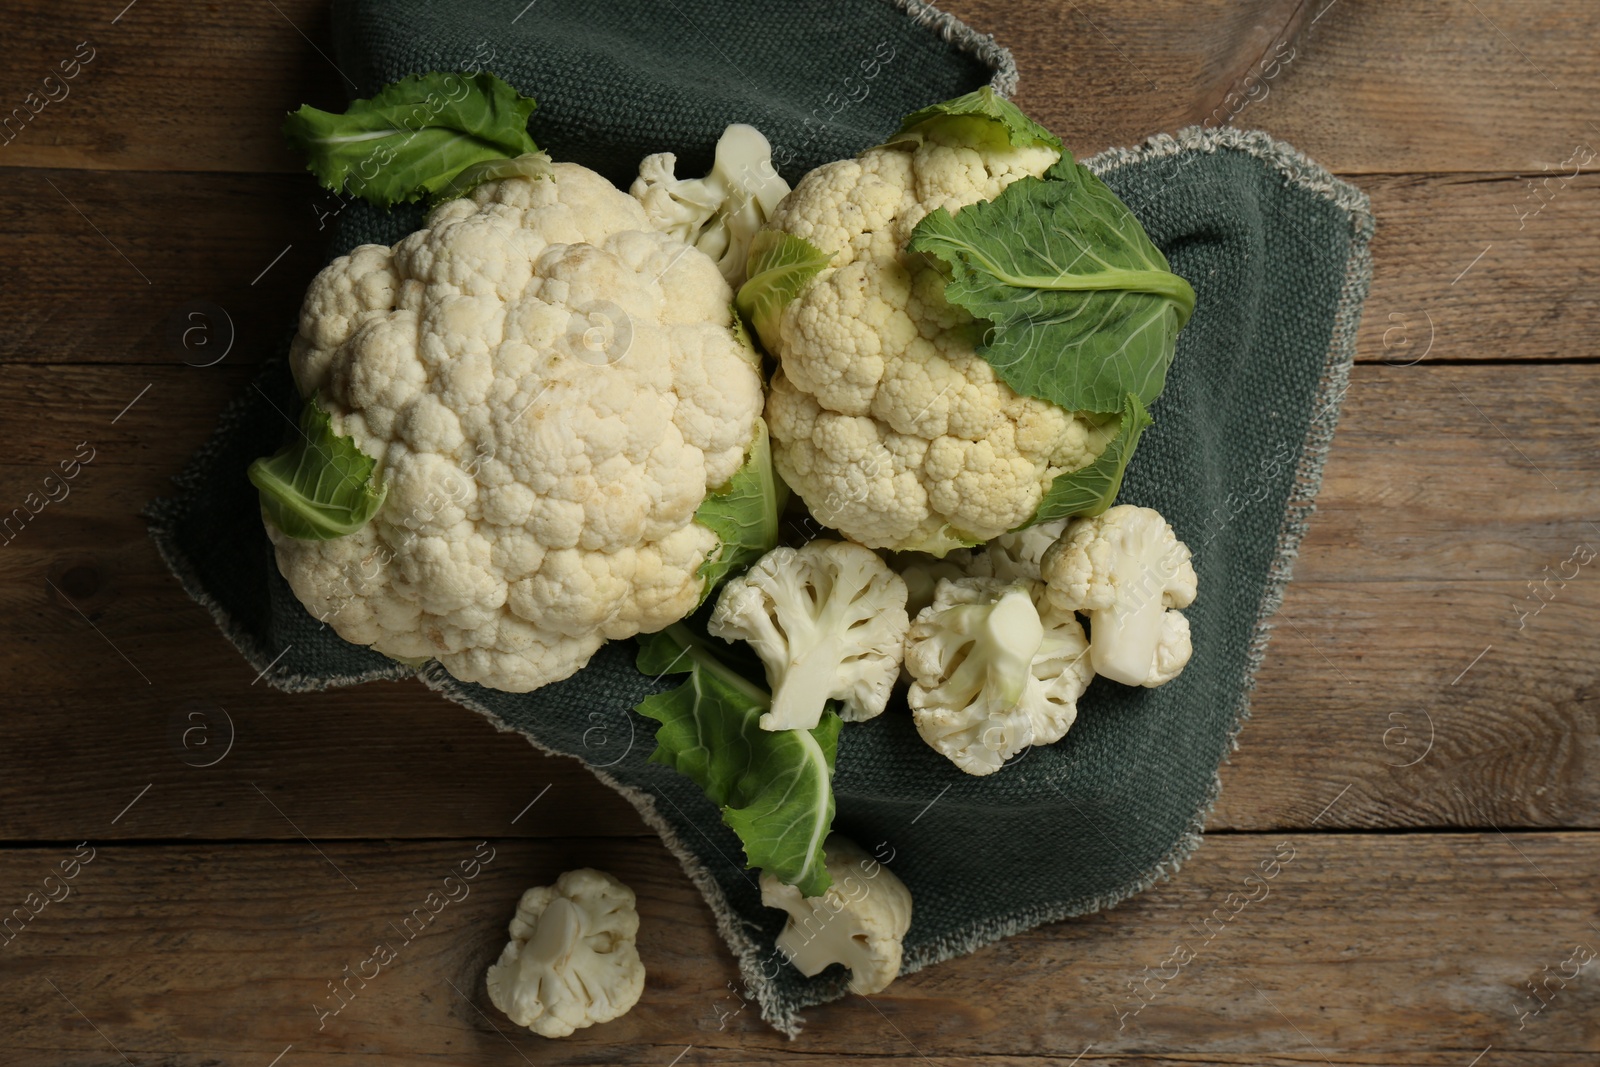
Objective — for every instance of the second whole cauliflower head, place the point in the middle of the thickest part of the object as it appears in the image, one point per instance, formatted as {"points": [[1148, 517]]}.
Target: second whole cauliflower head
{"points": [[571, 961], [551, 387], [884, 418]]}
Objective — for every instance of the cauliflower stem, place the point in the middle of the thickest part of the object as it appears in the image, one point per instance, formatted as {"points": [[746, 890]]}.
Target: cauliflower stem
{"points": [[992, 648]]}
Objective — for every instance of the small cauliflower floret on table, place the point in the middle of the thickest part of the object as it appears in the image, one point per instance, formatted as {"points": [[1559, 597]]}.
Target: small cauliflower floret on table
{"points": [[1128, 572], [828, 621], [860, 921], [571, 961], [884, 418], [550, 387], [994, 670]]}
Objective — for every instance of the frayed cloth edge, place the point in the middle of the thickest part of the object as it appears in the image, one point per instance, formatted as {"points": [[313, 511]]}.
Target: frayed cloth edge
{"points": [[981, 46]]}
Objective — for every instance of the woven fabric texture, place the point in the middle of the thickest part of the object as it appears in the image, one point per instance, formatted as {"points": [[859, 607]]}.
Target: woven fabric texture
{"points": [[1276, 250]]}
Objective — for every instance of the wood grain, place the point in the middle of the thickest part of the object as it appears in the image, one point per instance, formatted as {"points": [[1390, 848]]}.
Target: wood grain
{"points": [[1410, 570], [1355, 712], [1482, 267], [170, 952], [1438, 85], [215, 239], [113, 265], [169, 88], [1401, 692], [1499, 476], [1372, 87]]}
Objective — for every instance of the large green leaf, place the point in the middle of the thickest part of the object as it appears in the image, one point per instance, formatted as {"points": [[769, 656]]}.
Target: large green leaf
{"points": [[1081, 305], [743, 514], [982, 117], [415, 137], [320, 485], [774, 786], [779, 267], [1093, 489]]}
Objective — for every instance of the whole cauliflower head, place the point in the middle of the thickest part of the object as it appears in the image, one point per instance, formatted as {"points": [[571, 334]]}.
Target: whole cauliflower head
{"points": [[994, 669], [1126, 570], [550, 387], [884, 418], [571, 961]]}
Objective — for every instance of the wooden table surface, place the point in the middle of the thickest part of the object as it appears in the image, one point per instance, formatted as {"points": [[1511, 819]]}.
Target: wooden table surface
{"points": [[1424, 737]]}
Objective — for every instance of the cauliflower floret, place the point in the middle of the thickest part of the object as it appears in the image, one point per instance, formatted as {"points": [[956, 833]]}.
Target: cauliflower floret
{"points": [[884, 419], [993, 671], [722, 211], [828, 620], [1016, 556], [1128, 572], [551, 388], [571, 961], [860, 921]]}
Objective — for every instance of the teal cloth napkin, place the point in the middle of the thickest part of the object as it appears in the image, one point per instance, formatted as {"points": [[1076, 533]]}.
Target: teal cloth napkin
{"points": [[1276, 250]]}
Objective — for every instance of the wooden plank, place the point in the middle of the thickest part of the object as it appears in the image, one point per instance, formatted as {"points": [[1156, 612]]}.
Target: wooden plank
{"points": [[1372, 87], [1418, 704], [1451, 473], [214, 239], [168, 89], [1361, 86], [1482, 267], [1485, 86], [1356, 723], [134, 267], [1410, 570], [151, 947]]}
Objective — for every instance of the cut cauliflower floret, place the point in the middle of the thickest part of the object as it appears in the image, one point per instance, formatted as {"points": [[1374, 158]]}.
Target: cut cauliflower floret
{"points": [[994, 670], [1126, 570], [551, 388], [1016, 556], [828, 621], [872, 337], [861, 921], [720, 212], [571, 961]]}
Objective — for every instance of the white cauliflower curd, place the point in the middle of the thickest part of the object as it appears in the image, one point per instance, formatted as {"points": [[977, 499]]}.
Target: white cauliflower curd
{"points": [[884, 418], [550, 388], [572, 960]]}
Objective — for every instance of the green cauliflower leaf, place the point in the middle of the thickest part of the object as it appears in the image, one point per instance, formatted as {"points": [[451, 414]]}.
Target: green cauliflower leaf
{"points": [[1081, 305], [743, 513], [1093, 489], [415, 138], [775, 787], [320, 485]]}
